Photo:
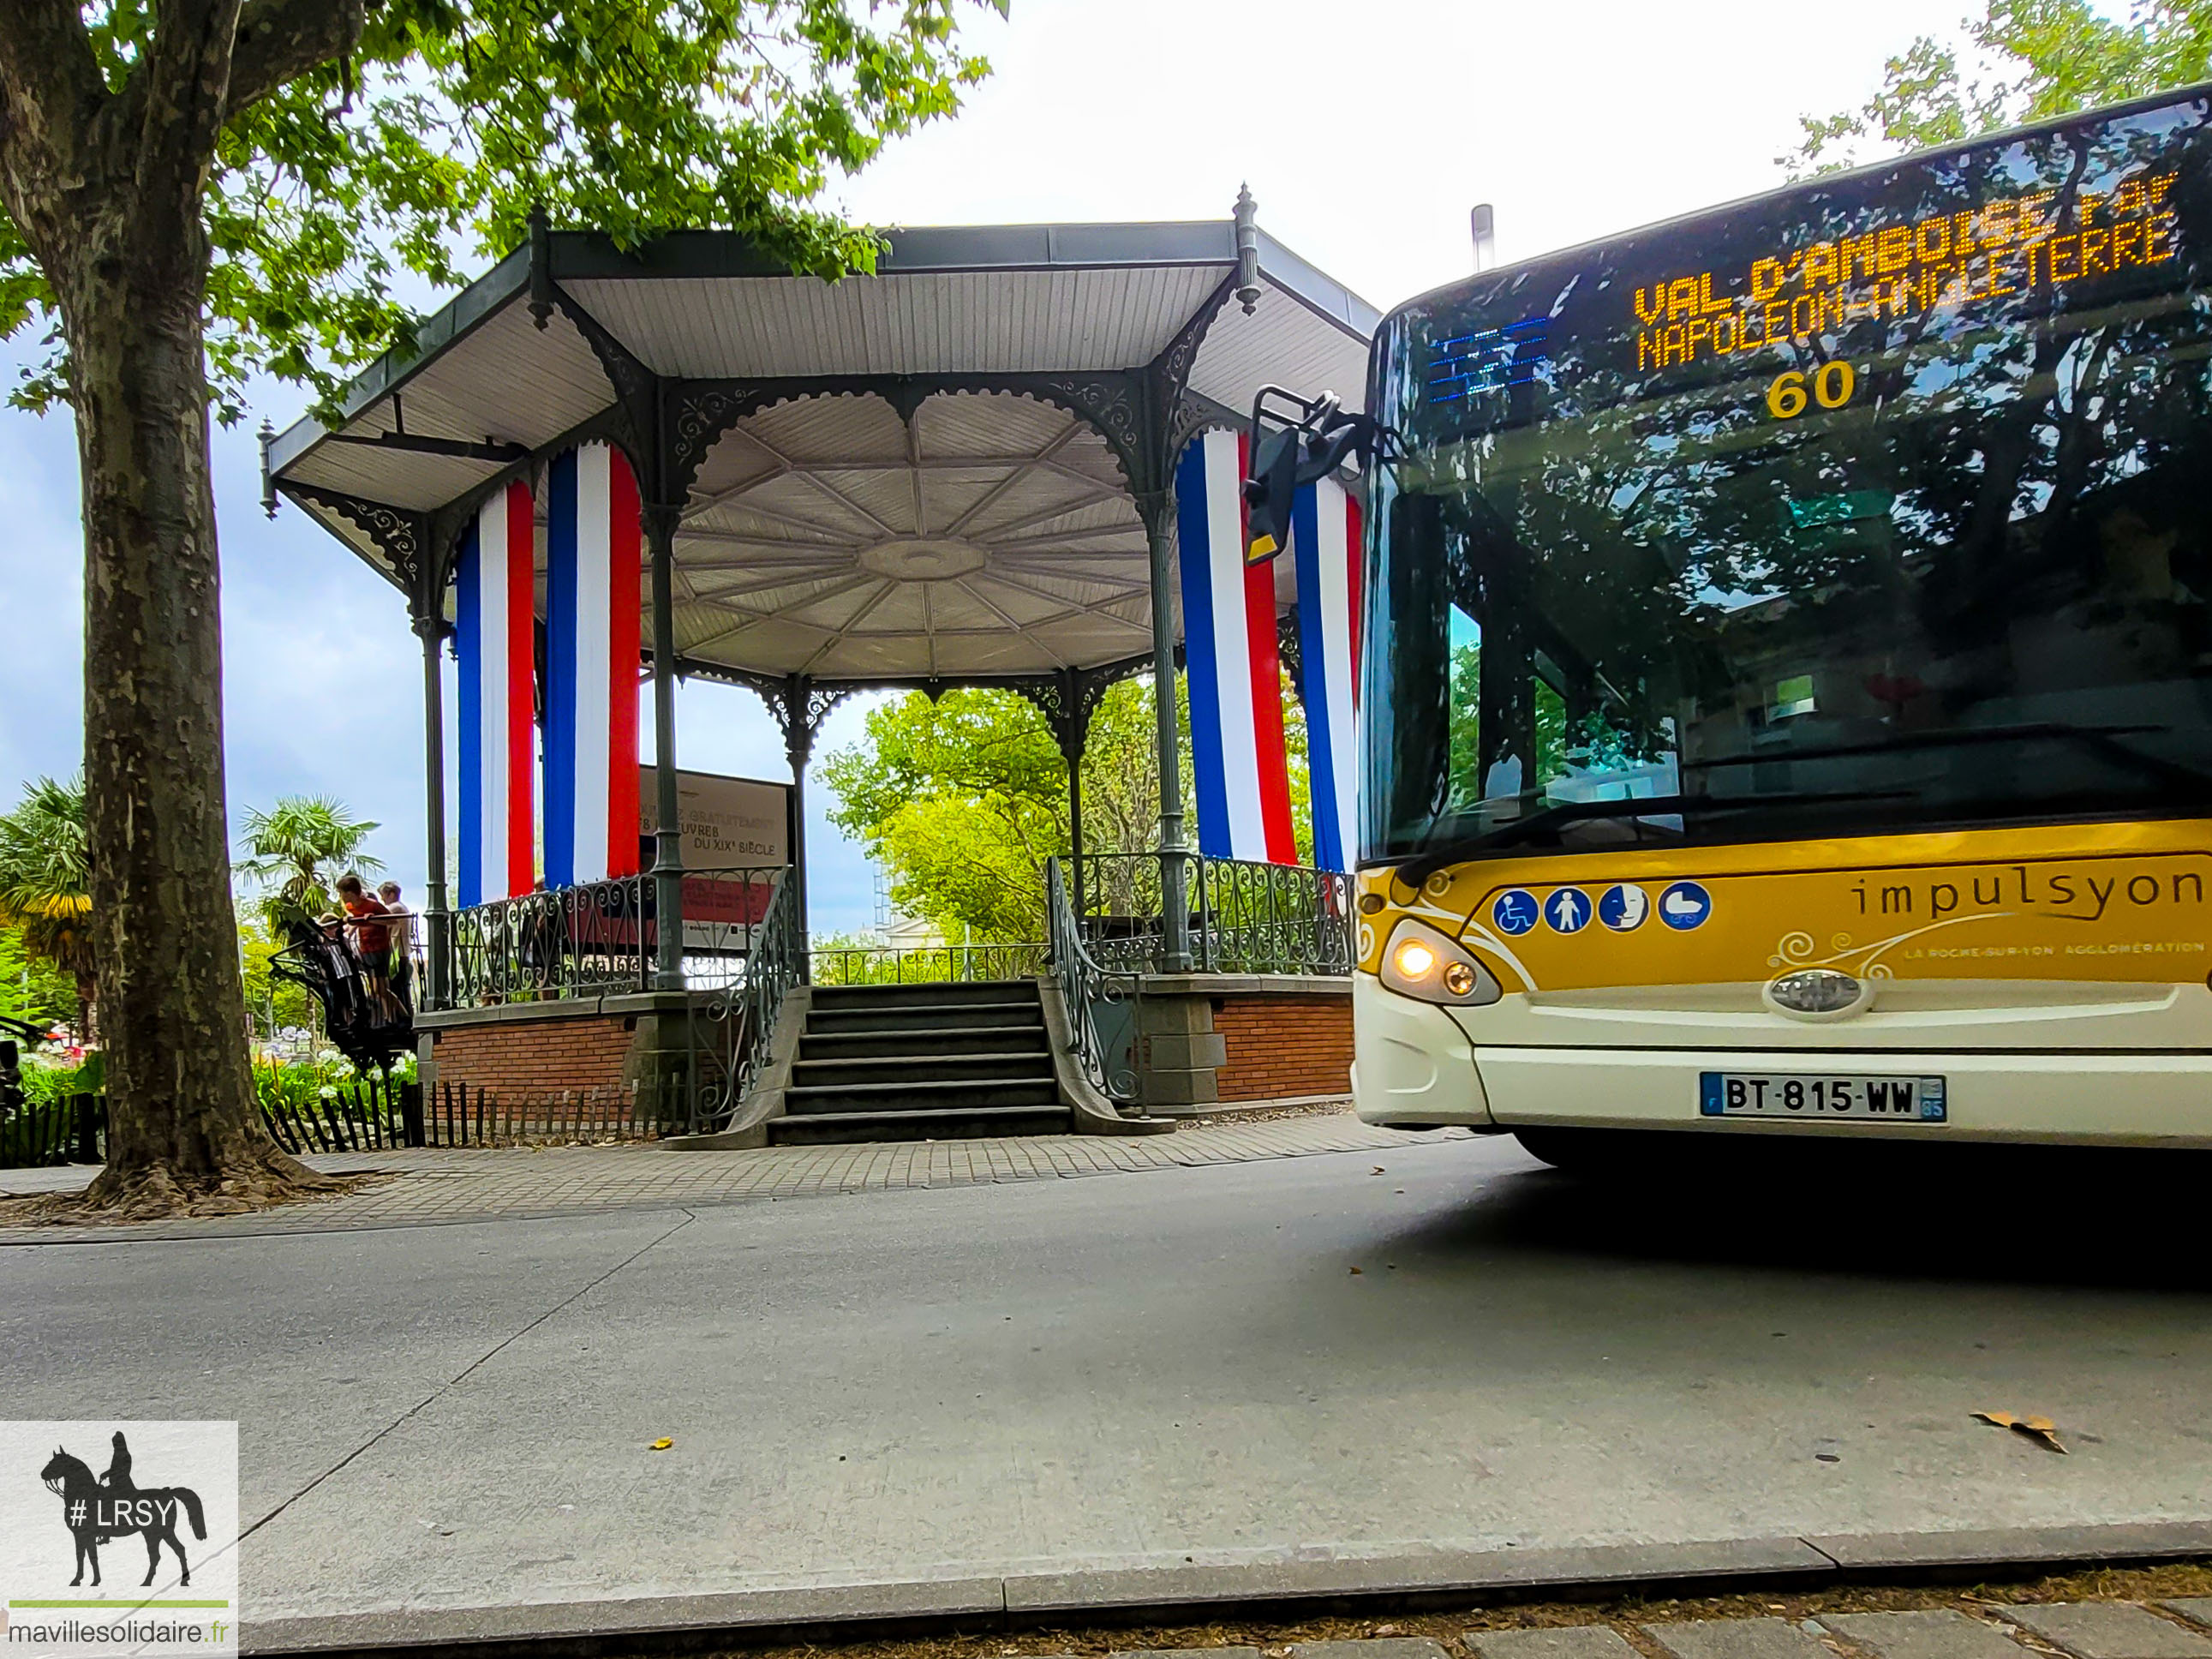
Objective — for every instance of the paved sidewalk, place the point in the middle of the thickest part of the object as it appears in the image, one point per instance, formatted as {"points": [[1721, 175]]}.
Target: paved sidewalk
{"points": [[482, 1184], [2099, 1630], [1436, 1370]]}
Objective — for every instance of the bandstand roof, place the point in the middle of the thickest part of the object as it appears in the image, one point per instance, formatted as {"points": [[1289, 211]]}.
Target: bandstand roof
{"points": [[928, 473]]}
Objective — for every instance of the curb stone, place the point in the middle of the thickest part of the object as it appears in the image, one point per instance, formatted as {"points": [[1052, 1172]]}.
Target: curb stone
{"points": [[1294, 1587]]}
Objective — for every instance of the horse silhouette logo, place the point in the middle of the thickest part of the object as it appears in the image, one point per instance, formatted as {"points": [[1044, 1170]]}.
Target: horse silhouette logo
{"points": [[97, 1508]]}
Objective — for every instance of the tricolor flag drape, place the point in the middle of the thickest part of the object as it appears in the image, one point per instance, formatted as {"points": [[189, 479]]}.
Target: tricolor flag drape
{"points": [[1234, 667], [1325, 541], [495, 611], [590, 667]]}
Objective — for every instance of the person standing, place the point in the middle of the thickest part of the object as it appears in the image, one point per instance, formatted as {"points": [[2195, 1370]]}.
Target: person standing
{"points": [[372, 938], [403, 942]]}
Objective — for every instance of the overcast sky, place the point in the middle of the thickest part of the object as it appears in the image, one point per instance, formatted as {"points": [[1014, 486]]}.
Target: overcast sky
{"points": [[1366, 130]]}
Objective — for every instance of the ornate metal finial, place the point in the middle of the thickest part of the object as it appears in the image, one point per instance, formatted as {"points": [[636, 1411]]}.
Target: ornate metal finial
{"points": [[541, 266], [268, 483], [1248, 250]]}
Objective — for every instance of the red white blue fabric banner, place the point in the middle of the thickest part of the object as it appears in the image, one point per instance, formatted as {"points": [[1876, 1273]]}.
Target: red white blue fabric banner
{"points": [[495, 612], [1325, 542], [592, 611], [1234, 667]]}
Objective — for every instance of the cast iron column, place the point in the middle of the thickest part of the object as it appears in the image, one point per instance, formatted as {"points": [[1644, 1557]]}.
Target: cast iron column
{"points": [[1175, 919], [1075, 824], [798, 749], [668, 836], [436, 918], [1074, 730]]}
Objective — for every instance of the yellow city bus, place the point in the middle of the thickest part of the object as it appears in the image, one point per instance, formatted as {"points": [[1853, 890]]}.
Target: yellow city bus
{"points": [[1786, 682]]}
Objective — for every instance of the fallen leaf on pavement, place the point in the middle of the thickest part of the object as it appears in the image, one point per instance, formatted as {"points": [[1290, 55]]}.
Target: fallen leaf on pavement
{"points": [[661, 1445], [2041, 1430], [1355, 1270]]}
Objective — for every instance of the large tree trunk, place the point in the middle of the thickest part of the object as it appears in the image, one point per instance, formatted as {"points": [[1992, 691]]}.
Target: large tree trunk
{"points": [[183, 1132]]}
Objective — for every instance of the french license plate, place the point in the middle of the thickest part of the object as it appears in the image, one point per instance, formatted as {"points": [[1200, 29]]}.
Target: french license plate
{"points": [[1832, 1099]]}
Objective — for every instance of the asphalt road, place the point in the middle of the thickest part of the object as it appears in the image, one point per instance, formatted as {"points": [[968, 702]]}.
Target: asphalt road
{"points": [[1260, 1362]]}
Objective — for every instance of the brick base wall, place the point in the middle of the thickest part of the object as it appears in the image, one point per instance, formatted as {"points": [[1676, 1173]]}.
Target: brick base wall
{"points": [[1281, 1047], [584, 1056]]}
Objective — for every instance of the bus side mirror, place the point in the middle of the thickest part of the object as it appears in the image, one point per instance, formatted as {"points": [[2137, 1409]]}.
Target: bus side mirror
{"points": [[1269, 492]]}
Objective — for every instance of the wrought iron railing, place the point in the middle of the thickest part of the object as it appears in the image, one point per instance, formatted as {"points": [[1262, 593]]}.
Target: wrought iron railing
{"points": [[1099, 1002], [1158, 913], [732, 1029], [927, 965], [602, 937]]}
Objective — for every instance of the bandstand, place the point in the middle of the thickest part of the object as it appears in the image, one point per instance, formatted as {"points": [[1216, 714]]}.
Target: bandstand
{"points": [[683, 461]]}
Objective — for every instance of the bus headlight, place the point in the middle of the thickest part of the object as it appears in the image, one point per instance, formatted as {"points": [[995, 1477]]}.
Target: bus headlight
{"points": [[1419, 961]]}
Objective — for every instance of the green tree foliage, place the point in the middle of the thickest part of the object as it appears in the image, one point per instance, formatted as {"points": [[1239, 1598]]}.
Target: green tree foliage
{"points": [[1551, 726], [296, 851], [964, 799], [45, 882], [195, 191], [274, 1003], [2026, 60], [362, 155], [31, 988]]}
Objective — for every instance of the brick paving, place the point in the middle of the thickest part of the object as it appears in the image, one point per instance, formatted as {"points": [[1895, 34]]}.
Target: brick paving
{"points": [[1736, 1639], [1565, 1642], [486, 1184], [1399, 1647], [1930, 1633], [2109, 1629], [2083, 1630]]}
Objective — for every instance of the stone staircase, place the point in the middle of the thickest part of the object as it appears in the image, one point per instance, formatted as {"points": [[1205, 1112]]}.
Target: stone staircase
{"points": [[921, 1062]]}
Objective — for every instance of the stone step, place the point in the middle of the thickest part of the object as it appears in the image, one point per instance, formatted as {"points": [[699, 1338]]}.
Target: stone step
{"points": [[944, 1123], [924, 995], [920, 1068], [1025, 1039], [923, 1017], [1037, 1089]]}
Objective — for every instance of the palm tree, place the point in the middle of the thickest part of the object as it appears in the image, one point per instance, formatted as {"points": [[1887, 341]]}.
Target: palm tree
{"points": [[45, 882], [296, 849]]}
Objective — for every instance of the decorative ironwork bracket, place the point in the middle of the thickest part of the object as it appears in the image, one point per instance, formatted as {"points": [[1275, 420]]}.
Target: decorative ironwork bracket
{"points": [[799, 705], [636, 426], [1181, 416], [1069, 698], [404, 536]]}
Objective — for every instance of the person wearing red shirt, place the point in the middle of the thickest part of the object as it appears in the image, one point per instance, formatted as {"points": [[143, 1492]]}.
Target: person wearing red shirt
{"points": [[372, 938]]}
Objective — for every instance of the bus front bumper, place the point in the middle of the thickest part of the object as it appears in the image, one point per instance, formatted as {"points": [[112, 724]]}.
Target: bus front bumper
{"points": [[1413, 1067]]}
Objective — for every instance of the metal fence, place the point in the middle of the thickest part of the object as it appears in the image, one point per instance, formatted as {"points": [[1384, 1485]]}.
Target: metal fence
{"points": [[927, 965], [60, 1129], [729, 1030], [370, 1115], [1098, 1001], [1158, 913], [602, 937]]}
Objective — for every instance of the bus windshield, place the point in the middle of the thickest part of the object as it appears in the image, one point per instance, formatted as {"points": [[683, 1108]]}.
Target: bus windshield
{"points": [[1881, 503]]}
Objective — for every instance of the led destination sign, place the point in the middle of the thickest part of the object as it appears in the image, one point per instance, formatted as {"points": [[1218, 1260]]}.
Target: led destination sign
{"points": [[2013, 244], [1930, 257]]}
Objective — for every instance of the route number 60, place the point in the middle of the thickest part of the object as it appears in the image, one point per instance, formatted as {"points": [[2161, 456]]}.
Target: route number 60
{"points": [[1832, 386]]}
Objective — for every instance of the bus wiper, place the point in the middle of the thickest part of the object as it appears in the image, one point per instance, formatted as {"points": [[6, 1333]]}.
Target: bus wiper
{"points": [[1418, 869], [2103, 741]]}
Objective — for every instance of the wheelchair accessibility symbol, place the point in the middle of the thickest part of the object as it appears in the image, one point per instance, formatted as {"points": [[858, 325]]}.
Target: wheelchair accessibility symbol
{"points": [[1515, 912]]}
